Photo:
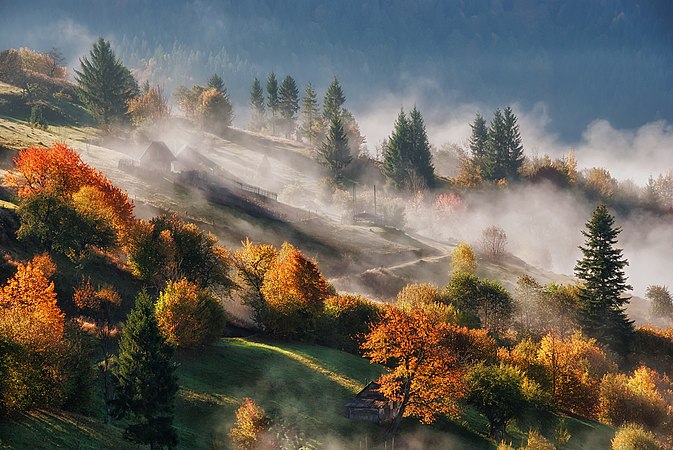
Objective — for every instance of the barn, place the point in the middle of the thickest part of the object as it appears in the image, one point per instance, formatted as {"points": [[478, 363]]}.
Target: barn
{"points": [[157, 157], [371, 405]]}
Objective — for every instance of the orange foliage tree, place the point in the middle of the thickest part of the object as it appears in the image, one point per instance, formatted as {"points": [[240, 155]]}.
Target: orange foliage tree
{"points": [[424, 377], [251, 423], [29, 314], [59, 170], [294, 291], [252, 262]]}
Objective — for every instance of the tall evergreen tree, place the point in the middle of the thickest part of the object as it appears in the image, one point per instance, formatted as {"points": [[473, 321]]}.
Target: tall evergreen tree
{"points": [[478, 140], [310, 115], [288, 104], [394, 158], [601, 271], [513, 145], [272, 99], [420, 157], [334, 100], [144, 381], [334, 151], [104, 85], [217, 82], [495, 161], [257, 106]]}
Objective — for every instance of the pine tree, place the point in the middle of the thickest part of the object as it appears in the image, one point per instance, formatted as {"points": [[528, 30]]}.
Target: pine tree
{"points": [[335, 152], [420, 157], [310, 114], [394, 159], [104, 85], [478, 140], [497, 156], [513, 145], [288, 104], [601, 271], [334, 100], [272, 99], [257, 106], [217, 82], [144, 381]]}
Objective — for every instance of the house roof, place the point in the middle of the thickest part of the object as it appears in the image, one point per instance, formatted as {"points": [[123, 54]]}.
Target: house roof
{"points": [[369, 397], [189, 155], [157, 152]]}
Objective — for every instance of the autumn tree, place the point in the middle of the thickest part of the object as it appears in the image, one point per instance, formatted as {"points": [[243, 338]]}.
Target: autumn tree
{"points": [[144, 380], [250, 426], [463, 259], [100, 305], [149, 107], [601, 271], [493, 242], [257, 107], [252, 262], [345, 320], [632, 436], [189, 317], [423, 377], [294, 291], [215, 110], [104, 85]]}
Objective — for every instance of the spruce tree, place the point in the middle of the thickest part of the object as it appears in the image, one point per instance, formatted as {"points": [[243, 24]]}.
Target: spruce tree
{"points": [[513, 145], [601, 271], [257, 106], [420, 157], [272, 99], [478, 140], [288, 104], [104, 85], [217, 82], [394, 158], [334, 151], [334, 100], [309, 114], [143, 378], [497, 156]]}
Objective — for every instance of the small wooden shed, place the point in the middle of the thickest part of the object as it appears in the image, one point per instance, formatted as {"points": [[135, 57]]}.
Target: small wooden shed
{"points": [[157, 157], [371, 405]]}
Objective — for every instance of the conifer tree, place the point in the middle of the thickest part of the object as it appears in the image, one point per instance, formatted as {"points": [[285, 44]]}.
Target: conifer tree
{"points": [[334, 100], [601, 271], [217, 82], [513, 145], [496, 158], [272, 99], [310, 114], [288, 104], [104, 85], [335, 152], [420, 157], [478, 140], [144, 381], [257, 106], [394, 159]]}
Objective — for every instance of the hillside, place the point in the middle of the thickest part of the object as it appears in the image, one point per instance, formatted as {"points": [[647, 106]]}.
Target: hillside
{"points": [[302, 387]]}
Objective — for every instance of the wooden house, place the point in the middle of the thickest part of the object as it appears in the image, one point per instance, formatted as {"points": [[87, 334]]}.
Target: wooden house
{"points": [[157, 157], [371, 405]]}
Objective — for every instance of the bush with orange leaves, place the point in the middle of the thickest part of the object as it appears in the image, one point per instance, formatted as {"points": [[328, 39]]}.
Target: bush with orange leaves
{"points": [[294, 291], [642, 398], [188, 316], [424, 377], [250, 427]]}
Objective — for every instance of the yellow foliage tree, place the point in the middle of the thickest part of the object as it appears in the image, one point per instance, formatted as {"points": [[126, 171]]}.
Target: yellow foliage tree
{"points": [[463, 259]]}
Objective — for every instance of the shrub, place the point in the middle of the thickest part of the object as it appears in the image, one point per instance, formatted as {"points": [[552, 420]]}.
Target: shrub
{"points": [[463, 259], [189, 316], [251, 423], [493, 241], [634, 437], [346, 319]]}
